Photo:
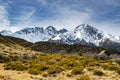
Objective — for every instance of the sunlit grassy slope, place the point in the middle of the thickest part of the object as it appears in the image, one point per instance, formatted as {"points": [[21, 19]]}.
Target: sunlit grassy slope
{"points": [[70, 67], [7, 46]]}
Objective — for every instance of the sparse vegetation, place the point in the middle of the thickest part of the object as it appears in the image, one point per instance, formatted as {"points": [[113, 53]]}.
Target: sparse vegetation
{"points": [[52, 64], [110, 67]]}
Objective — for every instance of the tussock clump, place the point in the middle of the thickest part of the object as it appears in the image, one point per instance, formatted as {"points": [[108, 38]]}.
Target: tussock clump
{"points": [[86, 77], [118, 71], [77, 71], [98, 72], [34, 71], [90, 69], [110, 67], [55, 70], [15, 66]]}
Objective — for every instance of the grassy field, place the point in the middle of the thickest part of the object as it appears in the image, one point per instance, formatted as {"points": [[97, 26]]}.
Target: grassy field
{"points": [[62, 67]]}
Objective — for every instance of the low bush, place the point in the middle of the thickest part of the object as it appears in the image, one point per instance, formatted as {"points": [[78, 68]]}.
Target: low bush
{"points": [[86, 77], [92, 64], [40, 66], [16, 66], [98, 72], [90, 69], [77, 71], [2, 77], [110, 67], [55, 69], [118, 71], [117, 61], [34, 71]]}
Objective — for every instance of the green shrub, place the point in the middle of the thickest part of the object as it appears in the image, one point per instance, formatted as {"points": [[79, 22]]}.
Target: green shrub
{"points": [[118, 71], [105, 66], [13, 57], [90, 69], [4, 59], [41, 67], [2, 77], [86, 77], [77, 71], [15, 66], [55, 69], [93, 64], [98, 72], [110, 67], [34, 71]]}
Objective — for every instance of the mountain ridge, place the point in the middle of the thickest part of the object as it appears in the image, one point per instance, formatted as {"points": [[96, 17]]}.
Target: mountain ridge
{"points": [[82, 34]]}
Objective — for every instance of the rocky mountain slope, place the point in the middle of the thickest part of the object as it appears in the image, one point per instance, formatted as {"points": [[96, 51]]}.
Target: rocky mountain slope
{"points": [[83, 34], [35, 34]]}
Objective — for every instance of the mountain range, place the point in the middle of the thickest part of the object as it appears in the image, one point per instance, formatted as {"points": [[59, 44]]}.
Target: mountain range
{"points": [[83, 34]]}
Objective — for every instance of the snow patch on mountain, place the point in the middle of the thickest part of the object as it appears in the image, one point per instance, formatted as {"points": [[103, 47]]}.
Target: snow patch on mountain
{"points": [[6, 32]]}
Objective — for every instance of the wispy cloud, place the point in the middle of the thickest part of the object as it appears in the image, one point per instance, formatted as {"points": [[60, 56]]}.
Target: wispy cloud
{"points": [[4, 22], [68, 18], [26, 13]]}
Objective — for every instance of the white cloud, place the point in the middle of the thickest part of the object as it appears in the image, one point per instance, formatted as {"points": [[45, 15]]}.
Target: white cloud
{"points": [[109, 27], [4, 22], [66, 18], [25, 19]]}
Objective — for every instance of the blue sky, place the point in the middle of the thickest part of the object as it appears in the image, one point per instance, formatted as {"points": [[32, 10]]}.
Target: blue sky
{"points": [[18, 14]]}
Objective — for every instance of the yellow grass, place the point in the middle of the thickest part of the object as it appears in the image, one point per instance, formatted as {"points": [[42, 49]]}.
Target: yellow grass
{"points": [[19, 75]]}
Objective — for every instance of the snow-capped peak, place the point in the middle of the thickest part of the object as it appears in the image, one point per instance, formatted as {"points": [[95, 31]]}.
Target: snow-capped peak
{"points": [[84, 33], [111, 37], [50, 30], [88, 33], [62, 31], [30, 30], [35, 34], [6, 32]]}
